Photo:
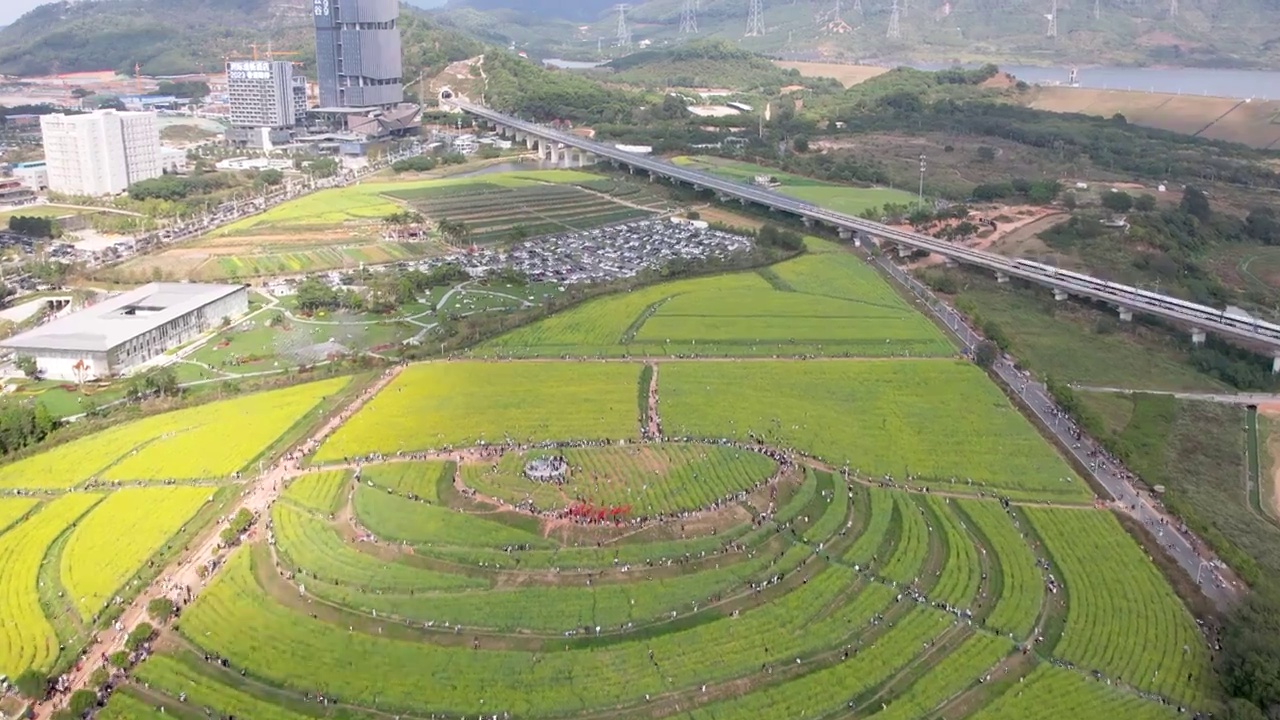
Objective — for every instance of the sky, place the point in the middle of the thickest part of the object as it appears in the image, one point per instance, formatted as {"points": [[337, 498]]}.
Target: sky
{"points": [[11, 10]]}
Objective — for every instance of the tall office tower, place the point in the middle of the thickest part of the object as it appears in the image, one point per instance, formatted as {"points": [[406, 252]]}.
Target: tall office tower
{"points": [[358, 53], [261, 94], [101, 153]]}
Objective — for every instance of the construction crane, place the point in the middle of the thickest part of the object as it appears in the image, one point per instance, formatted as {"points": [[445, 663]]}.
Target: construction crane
{"points": [[270, 54]]}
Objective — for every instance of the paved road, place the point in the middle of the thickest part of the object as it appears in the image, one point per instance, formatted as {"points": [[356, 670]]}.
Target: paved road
{"points": [[1191, 553], [184, 574], [1223, 398]]}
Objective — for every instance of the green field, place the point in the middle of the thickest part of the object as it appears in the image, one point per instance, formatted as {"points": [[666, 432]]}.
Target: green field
{"points": [[841, 198], [933, 423], [827, 302], [438, 405], [173, 446]]}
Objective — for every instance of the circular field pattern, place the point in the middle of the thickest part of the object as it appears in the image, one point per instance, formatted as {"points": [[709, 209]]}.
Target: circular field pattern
{"points": [[633, 480]]}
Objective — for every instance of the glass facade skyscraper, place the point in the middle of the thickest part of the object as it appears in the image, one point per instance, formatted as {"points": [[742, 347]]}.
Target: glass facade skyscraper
{"points": [[358, 53]]}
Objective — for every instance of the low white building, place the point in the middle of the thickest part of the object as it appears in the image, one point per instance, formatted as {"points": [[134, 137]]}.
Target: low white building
{"points": [[120, 333]]}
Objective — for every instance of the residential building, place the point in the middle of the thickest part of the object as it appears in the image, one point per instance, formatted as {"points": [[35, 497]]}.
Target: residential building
{"points": [[118, 334], [100, 153], [358, 61]]}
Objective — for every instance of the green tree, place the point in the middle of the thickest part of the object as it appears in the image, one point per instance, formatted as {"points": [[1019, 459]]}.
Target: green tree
{"points": [[1118, 201], [1196, 204], [1145, 202], [31, 684], [160, 609], [986, 354], [801, 144], [986, 153], [81, 702], [27, 365]]}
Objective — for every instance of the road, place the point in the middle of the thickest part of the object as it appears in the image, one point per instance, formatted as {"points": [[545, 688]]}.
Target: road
{"points": [[1201, 317], [1190, 553], [1222, 398], [257, 498]]}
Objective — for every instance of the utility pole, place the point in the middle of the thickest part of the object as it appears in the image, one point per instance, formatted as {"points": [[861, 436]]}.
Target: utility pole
{"points": [[624, 32], [1097, 9], [1173, 8], [1053, 21], [689, 18], [755, 18], [922, 166], [895, 26]]}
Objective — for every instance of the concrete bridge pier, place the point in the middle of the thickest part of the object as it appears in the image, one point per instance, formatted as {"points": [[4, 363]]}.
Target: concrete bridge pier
{"points": [[1126, 315], [529, 142], [1198, 337], [1275, 365], [844, 233], [1001, 277], [904, 251], [555, 153], [1060, 294], [522, 136], [949, 262], [808, 222], [587, 158]]}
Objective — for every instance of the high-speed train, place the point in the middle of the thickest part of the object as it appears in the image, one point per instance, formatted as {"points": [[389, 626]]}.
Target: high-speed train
{"points": [[1239, 320]]}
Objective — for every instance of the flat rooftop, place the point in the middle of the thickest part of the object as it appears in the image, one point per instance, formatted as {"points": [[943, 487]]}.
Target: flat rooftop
{"points": [[116, 320]]}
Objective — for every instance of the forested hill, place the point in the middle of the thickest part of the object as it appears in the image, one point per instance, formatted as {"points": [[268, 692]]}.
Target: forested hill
{"points": [[1205, 32], [171, 37]]}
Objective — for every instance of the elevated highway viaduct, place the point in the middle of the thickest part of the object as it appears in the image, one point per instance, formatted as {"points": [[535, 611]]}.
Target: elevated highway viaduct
{"points": [[567, 149]]}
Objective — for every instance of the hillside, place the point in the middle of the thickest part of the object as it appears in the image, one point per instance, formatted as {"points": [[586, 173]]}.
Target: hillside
{"points": [[171, 37], [701, 64], [1205, 32]]}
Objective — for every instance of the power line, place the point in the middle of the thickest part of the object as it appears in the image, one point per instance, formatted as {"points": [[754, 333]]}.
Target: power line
{"points": [[895, 25], [689, 18], [624, 32], [755, 18]]}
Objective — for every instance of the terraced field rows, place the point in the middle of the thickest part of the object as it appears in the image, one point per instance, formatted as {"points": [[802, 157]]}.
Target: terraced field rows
{"points": [[1122, 617], [962, 572], [1020, 582], [413, 479], [1050, 693], [322, 492], [27, 640], [912, 548], [114, 541], [950, 676]]}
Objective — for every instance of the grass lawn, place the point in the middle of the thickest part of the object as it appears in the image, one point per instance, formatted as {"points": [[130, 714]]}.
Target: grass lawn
{"points": [[1197, 451], [1078, 344], [841, 198], [44, 211]]}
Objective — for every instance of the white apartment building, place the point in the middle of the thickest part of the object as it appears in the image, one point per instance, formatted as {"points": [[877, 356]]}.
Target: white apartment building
{"points": [[100, 153]]}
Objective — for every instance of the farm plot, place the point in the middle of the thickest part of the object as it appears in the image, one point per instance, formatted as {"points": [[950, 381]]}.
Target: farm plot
{"points": [[27, 640], [314, 549], [934, 423], [437, 405], [322, 492], [1051, 692], [402, 520], [951, 675], [174, 445], [1018, 579], [115, 540], [647, 479], [234, 619], [13, 509], [1123, 619], [303, 260], [420, 480], [828, 305]]}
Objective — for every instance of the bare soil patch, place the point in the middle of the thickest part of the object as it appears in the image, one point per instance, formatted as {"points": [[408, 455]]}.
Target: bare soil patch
{"points": [[847, 75], [1271, 411]]}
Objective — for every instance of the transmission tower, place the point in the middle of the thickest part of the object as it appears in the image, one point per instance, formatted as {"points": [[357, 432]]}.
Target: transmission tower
{"points": [[689, 18], [1053, 21], [1173, 8], [857, 6], [895, 27], [624, 32], [1097, 9], [755, 18]]}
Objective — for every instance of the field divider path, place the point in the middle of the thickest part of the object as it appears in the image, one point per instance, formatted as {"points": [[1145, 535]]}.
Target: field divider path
{"points": [[257, 498]]}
